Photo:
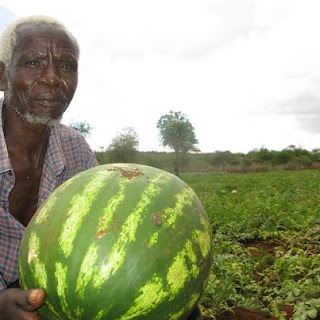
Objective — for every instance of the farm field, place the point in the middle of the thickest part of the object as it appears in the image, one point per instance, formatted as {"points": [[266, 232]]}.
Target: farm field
{"points": [[266, 231]]}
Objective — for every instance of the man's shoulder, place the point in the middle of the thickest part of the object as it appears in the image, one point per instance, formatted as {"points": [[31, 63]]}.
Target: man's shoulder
{"points": [[69, 144], [66, 131], [68, 138], [67, 135]]}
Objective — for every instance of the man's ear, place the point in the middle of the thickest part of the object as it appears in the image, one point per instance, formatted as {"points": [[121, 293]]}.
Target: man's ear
{"points": [[3, 77]]}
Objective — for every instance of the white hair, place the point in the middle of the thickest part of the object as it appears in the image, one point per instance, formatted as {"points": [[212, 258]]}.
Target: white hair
{"points": [[8, 39], [37, 120]]}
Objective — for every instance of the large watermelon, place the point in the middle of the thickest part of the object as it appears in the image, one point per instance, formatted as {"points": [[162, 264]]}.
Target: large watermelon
{"points": [[118, 241]]}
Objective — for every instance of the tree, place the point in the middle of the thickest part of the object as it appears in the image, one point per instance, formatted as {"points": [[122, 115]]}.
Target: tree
{"points": [[124, 147], [315, 155], [220, 158], [301, 156], [177, 132], [283, 157], [83, 127]]}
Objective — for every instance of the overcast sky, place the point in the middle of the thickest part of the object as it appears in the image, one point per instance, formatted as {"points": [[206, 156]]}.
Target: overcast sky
{"points": [[246, 73]]}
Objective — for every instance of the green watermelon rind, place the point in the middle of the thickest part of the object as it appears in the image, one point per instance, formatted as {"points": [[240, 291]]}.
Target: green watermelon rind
{"points": [[143, 251]]}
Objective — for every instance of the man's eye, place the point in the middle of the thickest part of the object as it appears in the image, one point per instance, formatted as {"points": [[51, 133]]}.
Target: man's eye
{"points": [[67, 66], [33, 62]]}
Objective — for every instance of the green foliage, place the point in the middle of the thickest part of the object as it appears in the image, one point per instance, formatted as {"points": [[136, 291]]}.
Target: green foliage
{"points": [[223, 158], [83, 127], [177, 132], [124, 147], [224, 161], [276, 208]]}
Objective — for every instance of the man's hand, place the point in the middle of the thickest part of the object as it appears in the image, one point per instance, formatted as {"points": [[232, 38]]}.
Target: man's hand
{"points": [[18, 304]]}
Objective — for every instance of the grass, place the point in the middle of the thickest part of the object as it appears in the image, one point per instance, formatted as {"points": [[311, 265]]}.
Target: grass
{"points": [[280, 208]]}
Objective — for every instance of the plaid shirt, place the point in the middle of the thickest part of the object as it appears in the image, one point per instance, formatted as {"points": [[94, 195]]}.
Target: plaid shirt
{"points": [[67, 154]]}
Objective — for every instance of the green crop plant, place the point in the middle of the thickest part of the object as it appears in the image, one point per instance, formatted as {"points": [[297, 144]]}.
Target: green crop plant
{"points": [[281, 209]]}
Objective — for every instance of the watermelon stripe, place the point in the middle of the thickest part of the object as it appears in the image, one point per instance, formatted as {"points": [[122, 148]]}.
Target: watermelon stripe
{"points": [[131, 225], [194, 269], [118, 242], [179, 273], [183, 199], [79, 312], [101, 315], [86, 269], [111, 208], [189, 306], [151, 295], [47, 206], [37, 266], [62, 286], [80, 206], [127, 234], [203, 238], [53, 310]]}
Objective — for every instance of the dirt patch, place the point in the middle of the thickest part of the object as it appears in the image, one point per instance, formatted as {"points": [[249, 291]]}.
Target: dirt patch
{"points": [[243, 314], [260, 248], [264, 252]]}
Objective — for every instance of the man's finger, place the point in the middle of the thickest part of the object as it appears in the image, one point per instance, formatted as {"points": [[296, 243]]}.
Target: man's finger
{"points": [[30, 299]]}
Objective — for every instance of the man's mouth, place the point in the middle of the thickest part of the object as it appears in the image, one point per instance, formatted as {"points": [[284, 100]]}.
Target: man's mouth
{"points": [[50, 100]]}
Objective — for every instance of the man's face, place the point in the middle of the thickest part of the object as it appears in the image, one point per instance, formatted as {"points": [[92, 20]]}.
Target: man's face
{"points": [[42, 77]]}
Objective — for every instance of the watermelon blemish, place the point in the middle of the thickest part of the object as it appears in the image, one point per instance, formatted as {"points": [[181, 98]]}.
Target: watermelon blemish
{"points": [[126, 173], [32, 255], [101, 233], [157, 219]]}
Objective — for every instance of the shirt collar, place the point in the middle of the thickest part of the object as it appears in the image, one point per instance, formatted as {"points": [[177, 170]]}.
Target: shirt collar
{"points": [[5, 164], [54, 160]]}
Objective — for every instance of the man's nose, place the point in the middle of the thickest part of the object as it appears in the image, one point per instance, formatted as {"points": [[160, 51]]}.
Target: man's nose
{"points": [[50, 76]]}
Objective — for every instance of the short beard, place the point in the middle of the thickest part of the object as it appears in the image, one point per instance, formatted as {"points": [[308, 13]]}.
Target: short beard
{"points": [[37, 120], [31, 118]]}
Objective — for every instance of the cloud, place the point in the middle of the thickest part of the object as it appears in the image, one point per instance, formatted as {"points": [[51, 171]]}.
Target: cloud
{"points": [[246, 73], [305, 108], [310, 123], [305, 104]]}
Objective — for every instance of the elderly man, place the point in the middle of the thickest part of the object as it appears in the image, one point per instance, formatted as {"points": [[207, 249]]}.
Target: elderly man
{"points": [[38, 75]]}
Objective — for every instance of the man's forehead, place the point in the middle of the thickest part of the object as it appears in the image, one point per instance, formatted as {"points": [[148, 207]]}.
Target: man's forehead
{"points": [[26, 29], [29, 33]]}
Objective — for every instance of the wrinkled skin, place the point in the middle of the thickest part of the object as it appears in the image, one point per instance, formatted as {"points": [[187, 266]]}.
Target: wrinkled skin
{"points": [[38, 86]]}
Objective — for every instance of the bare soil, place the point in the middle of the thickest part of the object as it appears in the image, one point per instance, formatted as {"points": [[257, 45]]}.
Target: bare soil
{"points": [[243, 314]]}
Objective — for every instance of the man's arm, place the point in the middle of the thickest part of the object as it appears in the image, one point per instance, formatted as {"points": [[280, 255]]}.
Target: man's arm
{"points": [[20, 304]]}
